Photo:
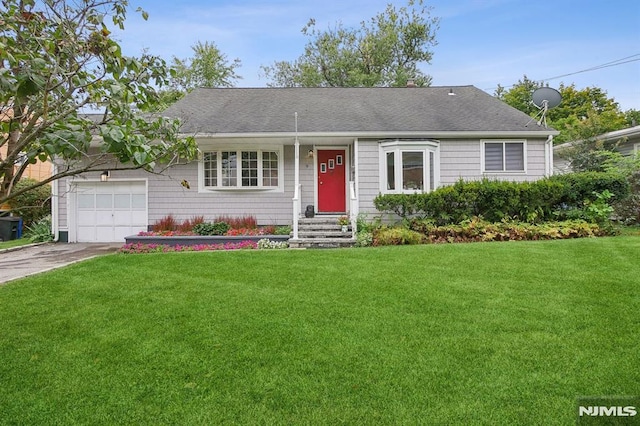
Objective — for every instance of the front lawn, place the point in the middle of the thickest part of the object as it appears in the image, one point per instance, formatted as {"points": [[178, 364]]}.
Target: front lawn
{"points": [[14, 243], [483, 333]]}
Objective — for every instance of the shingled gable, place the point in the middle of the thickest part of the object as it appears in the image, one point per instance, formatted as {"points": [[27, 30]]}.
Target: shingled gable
{"points": [[357, 111]]}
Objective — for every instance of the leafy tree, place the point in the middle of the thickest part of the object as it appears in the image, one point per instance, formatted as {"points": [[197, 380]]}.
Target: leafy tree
{"points": [[519, 95], [633, 117], [208, 67], [384, 51], [57, 61]]}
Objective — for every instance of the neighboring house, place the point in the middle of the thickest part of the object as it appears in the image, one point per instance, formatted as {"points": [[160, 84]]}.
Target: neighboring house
{"points": [[628, 141], [271, 152], [39, 170]]}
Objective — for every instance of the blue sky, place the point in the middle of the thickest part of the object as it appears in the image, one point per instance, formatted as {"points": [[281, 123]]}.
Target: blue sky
{"points": [[482, 43]]}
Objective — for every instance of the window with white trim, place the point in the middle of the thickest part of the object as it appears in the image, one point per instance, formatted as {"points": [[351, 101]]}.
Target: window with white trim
{"points": [[408, 166], [241, 169], [504, 156]]}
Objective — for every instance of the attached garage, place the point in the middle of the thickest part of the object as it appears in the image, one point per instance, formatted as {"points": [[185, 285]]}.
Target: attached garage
{"points": [[108, 211]]}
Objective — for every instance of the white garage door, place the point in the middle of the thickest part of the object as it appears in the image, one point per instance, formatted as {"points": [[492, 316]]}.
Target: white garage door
{"points": [[110, 211]]}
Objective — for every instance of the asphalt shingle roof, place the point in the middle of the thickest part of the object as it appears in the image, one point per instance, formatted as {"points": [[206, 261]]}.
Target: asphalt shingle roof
{"points": [[345, 110]]}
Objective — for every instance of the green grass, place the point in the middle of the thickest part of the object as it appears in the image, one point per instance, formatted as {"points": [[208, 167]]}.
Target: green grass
{"points": [[14, 243], [628, 230], [485, 333]]}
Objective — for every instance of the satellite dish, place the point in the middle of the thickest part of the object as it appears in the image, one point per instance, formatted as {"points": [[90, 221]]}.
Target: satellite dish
{"points": [[546, 96], [544, 99]]}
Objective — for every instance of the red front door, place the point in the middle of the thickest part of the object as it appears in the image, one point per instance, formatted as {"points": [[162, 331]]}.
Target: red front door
{"points": [[331, 181]]}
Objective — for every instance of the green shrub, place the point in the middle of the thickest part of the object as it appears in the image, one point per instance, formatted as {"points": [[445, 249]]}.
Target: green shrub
{"points": [[40, 232], [364, 239], [627, 210], [32, 205], [282, 230], [537, 201], [583, 185], [208, 228], [396, 236], [365, 225], [478, 229]]}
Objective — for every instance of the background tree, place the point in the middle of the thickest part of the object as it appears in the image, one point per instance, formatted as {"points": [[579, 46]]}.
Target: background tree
{"points": [[384, 51], [633, 117], [57, 60], [208, 67]]}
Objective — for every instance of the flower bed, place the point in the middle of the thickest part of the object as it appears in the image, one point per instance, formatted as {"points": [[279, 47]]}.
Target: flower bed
{"points": [[197, 240], [141, 248], [225, 231]]}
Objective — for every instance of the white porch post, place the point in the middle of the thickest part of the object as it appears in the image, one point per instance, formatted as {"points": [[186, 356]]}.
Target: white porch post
{"points": [[354, 201], [296, 188]]}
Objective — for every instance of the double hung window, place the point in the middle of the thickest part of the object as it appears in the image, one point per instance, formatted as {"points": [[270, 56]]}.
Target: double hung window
{"points": [[242, 169]]}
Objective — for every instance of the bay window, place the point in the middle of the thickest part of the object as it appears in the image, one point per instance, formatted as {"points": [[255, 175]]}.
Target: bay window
{"points": [[409, 166]]}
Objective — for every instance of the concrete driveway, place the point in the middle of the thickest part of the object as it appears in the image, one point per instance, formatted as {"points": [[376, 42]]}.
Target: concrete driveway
{"points": [[29, 260]]}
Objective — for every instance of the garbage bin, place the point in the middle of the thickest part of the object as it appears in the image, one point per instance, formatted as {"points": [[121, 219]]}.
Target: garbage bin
{"points": [[10, 228]]}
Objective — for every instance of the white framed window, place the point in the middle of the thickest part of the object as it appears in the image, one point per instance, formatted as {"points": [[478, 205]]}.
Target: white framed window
{"points": [[242, 169], [500, 156], [409, 166]]}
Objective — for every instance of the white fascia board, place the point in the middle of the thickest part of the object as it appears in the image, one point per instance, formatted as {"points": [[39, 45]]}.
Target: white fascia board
{"points": [[382, 135], [605, 137]]}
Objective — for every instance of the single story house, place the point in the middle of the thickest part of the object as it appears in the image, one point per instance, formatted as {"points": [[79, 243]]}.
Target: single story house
{"points": [[272, 152], [627, 140]]}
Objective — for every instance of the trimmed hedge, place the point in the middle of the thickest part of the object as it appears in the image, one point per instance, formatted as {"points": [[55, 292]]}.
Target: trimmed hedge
{"points": [[581, 186], [498, 200]]}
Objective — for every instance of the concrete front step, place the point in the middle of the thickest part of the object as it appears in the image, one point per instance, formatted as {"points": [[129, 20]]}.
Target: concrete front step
{"points": [[320, 219], [321, 242], [321, 232], [319, 226], [315, 233]]}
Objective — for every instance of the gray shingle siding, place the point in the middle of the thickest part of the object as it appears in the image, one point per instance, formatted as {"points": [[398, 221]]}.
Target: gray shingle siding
{"points": [[368, 175]]}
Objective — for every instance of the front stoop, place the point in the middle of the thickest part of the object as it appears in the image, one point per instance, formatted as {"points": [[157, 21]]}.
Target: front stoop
{"points": [[321, 232]]}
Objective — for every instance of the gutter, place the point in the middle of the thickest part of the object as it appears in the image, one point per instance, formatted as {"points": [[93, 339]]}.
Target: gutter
{"points": [[379, 135]]}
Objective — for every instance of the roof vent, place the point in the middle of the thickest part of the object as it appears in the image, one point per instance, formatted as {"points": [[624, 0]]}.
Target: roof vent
{"points": [[451, 92]]}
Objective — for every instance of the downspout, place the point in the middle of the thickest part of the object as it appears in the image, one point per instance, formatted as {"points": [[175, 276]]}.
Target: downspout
{"points": [[296, 188], [54, 204], [549, 160]]}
